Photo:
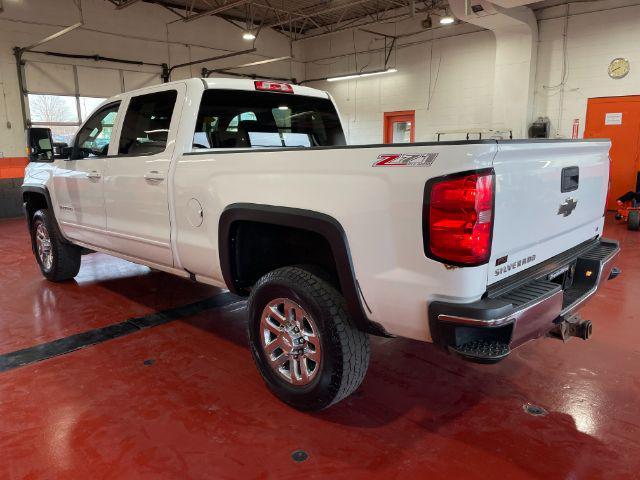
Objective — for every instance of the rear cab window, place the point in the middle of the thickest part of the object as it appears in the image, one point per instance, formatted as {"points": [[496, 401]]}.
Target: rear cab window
{"points": [[245, 119]]}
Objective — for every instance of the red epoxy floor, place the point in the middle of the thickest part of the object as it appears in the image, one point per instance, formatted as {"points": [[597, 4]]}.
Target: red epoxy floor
{"points": [[200, 409]]}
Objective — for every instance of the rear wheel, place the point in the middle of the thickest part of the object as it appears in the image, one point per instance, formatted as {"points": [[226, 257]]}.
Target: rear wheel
{"points": [[58, 260], [633, 222], [303, 342]]}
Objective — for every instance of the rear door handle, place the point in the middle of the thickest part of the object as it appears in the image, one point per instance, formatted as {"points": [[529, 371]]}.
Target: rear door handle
{"points": [[154, 176], [94, 174]]}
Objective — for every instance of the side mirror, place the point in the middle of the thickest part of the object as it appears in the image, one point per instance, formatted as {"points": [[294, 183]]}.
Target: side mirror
{"points": [[39, 144]]}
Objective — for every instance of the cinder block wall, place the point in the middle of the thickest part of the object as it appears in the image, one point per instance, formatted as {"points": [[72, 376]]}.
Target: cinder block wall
{"points": [[446, 75], [141, 32]]}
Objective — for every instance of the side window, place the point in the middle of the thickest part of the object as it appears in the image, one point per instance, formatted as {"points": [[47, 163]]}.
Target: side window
{"points": [[146, 125], [94, 137]]}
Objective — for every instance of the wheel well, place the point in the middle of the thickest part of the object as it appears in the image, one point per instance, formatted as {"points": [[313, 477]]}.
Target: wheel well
{"points": [[258, 248], [34, 201], [254, 239]]}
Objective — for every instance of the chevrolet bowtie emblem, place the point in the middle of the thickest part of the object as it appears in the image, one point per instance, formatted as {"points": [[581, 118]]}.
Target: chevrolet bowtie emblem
{"points": [[567, 207]]}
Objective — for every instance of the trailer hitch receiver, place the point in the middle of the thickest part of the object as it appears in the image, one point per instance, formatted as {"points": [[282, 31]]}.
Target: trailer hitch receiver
{"points": [[571, 326]]}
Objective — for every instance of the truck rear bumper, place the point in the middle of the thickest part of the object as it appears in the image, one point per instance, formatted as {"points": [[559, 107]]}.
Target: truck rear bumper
{"points": [[524, 306]]}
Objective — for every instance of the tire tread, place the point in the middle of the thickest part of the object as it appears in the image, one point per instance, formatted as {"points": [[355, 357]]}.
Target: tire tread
{"points": [[354, 344], [67, 257]]}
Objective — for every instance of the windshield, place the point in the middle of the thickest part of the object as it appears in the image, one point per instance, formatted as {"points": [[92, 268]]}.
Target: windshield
{"points": [[241, 119]]}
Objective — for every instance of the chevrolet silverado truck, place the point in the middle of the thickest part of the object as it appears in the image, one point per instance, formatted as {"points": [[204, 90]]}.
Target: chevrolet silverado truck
{"points": [[475, 246]]}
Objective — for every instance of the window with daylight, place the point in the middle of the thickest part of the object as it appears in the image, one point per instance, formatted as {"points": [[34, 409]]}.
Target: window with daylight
{"points": [[95, 136], [63, 114]]}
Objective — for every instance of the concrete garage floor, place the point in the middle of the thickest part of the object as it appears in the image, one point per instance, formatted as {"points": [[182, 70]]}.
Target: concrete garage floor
{"points": [[184, 400]]}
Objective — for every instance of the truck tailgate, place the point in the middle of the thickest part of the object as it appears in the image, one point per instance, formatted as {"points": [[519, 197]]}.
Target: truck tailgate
{"points": [[550, 197]]}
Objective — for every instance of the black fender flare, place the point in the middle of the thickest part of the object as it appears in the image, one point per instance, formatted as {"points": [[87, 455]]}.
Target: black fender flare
{"points": [[310, 220], [44, 191]]}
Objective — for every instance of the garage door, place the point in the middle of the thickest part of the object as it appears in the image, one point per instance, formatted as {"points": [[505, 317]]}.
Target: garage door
{"points": [[62, 96]]}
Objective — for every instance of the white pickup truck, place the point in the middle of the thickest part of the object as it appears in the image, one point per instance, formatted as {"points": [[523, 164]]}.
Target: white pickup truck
{"points": [[476, 246]]}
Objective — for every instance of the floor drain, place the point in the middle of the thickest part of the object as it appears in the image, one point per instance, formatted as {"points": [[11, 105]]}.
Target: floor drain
{"points": [[534, 410], [299, 456]]}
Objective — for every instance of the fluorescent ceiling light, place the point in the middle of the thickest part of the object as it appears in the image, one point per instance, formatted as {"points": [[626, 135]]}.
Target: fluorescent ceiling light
{"points": [[447, 20], [283, 107], [248, 36], [364, 74]]}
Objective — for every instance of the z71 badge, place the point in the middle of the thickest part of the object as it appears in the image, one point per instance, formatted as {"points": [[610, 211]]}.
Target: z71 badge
{"points": [[405, 160]]}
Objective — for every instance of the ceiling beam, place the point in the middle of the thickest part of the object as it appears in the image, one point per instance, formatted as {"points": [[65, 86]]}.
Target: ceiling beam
{"points": [[310, 14], [359, 22], [125, 4], [214, 11]]}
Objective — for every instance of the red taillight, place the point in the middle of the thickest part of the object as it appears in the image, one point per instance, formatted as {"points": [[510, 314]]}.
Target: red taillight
{"points": [[273, 86], [458, 218]]}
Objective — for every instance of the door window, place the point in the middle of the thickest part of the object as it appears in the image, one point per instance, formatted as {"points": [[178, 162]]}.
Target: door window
{"points": [[401, 132], [94, 137], [146, 125]]}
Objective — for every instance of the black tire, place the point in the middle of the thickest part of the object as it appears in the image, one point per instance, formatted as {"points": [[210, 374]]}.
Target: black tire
{"points": [[633, 222], [345, 349], [65, 258]]}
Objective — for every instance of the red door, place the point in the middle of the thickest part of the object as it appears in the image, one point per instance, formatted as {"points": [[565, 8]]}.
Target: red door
{"points": [[399, 127], [617, 118]]}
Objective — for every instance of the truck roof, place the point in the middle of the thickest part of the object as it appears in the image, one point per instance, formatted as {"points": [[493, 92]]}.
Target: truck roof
{"points": [[249, 85], [224, 83]]}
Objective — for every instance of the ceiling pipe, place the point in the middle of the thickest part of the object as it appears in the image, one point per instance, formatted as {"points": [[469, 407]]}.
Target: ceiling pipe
{"points": [[166, 73]]}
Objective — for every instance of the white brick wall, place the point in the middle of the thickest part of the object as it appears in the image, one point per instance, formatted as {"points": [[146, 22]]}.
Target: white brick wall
{"points": [[593, 40], [461, 69], [463, 95]]}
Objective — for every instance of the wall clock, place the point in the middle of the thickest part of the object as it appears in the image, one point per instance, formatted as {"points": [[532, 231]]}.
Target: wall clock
{"points": [[619, 68]]}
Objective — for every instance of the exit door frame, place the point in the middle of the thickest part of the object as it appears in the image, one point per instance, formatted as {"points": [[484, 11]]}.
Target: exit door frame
{"points": [[400, 116]]}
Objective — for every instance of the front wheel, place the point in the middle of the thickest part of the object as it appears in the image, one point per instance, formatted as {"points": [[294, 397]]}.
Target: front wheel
{"points": [[58, 260], [303, 342]]}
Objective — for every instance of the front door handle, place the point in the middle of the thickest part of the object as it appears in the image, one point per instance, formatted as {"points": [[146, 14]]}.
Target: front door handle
{"points": [[94, 174], [154, 176]]}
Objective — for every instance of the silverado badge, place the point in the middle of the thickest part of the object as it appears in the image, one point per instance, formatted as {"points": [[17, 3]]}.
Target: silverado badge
{"points": [[567, 207]]}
